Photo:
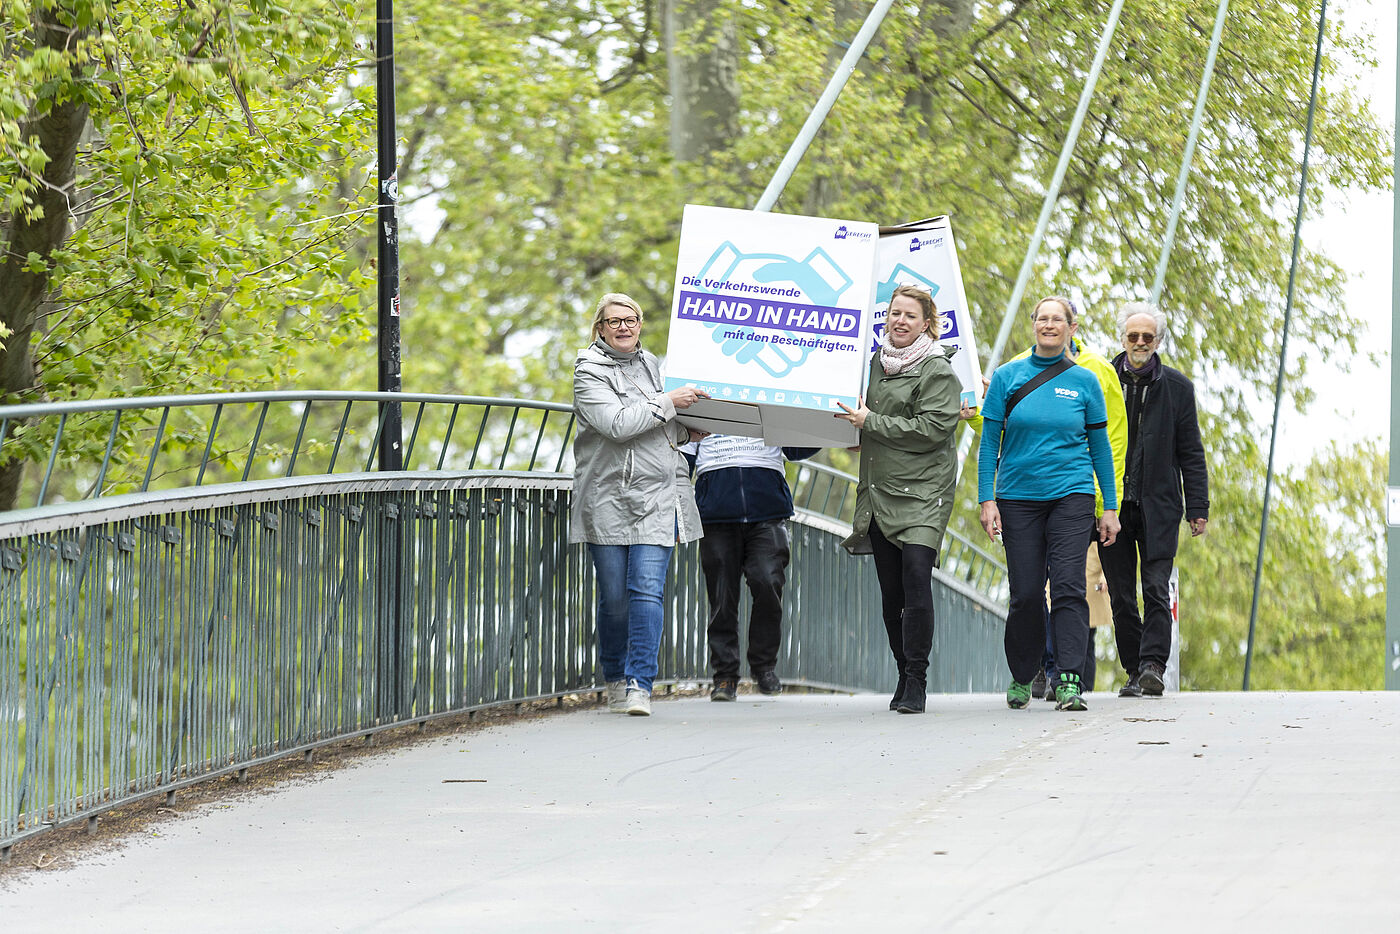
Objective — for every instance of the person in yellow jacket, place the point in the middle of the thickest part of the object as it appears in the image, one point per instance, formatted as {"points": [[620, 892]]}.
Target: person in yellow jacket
{"points": [[1107, 376]]}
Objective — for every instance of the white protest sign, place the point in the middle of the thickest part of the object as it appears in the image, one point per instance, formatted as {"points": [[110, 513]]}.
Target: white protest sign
{"points": [[923, 254], [772, 309]]}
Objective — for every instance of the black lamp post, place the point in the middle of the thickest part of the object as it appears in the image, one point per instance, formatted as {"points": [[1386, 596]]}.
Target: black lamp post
{"points": [[391, 695], [390, 369]]}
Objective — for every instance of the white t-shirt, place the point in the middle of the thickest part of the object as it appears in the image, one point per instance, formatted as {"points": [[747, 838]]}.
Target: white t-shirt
{"points": [[715, 452]]}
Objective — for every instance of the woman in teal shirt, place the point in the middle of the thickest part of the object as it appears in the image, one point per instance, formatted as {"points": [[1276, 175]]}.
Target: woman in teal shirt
{"points": [[1044, 439]]}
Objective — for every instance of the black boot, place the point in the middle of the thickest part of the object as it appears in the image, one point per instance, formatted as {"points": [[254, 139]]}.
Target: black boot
{"points": [[914, 697], [898, 692], [918, 642], [894, 631]]}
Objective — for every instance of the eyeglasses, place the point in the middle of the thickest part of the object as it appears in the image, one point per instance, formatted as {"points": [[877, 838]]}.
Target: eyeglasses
{"points": [[1140, 337], [915, 286], [1050, 319], [631, 321]]}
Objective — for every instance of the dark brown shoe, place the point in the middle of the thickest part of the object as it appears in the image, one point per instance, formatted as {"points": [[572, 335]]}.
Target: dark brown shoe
{"points": [[1151, 679]]}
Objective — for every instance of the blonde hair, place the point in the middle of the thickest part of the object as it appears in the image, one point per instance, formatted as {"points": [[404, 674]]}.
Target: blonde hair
{"points": [[925, 299], [606, 302]]}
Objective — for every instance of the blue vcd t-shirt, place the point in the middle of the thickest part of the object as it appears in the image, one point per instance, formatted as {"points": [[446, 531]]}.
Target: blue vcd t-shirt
{"points": [[1044, 450]]}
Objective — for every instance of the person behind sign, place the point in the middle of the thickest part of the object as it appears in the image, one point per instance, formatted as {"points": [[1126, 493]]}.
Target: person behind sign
{"points": [[1044, 441], [745, 504], [632, 495], [908, 470]]}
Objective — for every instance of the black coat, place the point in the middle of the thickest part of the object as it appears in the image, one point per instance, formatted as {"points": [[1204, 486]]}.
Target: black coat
{"points": [[1173, 459]]}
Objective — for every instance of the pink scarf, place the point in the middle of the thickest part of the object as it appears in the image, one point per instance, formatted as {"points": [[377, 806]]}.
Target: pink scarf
{"points": [[898, 359]]}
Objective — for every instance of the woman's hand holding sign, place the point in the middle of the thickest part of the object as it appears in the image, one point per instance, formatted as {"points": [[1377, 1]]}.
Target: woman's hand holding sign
{"points": [[855, 416]]}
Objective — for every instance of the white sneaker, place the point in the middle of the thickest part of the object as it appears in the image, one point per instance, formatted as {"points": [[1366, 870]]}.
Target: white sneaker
{"points": [[617, 696], [638, 700]]}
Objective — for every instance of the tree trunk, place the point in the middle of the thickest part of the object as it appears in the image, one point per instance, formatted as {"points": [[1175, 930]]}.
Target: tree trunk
{"points": [[949, 20], [23, 292], [824, 190], [702, 52]]}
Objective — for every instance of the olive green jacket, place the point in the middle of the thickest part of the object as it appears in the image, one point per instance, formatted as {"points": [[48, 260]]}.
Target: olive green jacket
{"points": [[908, 466]]}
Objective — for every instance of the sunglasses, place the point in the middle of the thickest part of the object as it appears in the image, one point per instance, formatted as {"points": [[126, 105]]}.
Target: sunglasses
{"points": [[1140, 337]]}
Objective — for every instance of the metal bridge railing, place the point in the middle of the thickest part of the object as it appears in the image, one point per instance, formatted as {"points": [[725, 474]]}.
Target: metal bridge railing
{"points": [[151, 639], [98, 448], [177, 442]]}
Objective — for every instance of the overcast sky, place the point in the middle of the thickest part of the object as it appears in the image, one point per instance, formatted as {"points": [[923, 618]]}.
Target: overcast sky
{"points": [[1357, 232]]}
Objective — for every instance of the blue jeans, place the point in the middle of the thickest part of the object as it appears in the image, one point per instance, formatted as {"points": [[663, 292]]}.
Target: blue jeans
{"points": [[630, 580]]}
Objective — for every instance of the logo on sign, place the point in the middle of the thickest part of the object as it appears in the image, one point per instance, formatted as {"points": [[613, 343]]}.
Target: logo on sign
{"points": [[841, 232], [947, 325], [947, 329], [915, 244]]}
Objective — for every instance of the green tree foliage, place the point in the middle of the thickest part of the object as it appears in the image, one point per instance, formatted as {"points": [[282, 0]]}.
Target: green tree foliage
{"points": [[196, 238], [1321, 621], [536, 171], [534, 174]]}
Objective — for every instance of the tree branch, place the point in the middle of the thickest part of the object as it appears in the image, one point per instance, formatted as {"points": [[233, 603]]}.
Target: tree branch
{"points": [[1007, 92], [1015, 133], [1011, 16], [636, 63]]}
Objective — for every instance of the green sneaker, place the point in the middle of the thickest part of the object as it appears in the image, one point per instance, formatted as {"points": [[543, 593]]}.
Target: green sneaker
{"points": [[1067, 693], [1018, 695]]}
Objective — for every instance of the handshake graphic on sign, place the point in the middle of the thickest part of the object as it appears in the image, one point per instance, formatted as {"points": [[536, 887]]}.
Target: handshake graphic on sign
{"points": [[903, 275], [820, 280]]}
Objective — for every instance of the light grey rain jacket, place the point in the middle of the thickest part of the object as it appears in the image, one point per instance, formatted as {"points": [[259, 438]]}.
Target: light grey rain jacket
{"points": [[631, 484]]}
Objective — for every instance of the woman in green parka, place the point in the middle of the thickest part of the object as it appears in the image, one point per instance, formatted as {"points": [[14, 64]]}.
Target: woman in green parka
{"points": [[908, 470]]}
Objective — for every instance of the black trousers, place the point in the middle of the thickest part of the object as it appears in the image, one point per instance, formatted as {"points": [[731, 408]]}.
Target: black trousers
{"points": [[1046, 539], [757, 552], [1145, 637], [905, 573], [1047, 661]]}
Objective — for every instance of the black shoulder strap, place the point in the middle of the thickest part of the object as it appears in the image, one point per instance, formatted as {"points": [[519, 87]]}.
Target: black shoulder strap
{"points": [[1034, 383]]}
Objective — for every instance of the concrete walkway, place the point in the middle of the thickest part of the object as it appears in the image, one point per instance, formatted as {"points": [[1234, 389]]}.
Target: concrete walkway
{"points": [[1198, 812]]}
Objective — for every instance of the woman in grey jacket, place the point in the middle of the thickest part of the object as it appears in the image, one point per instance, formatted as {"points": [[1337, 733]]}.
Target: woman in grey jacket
{"points": [[632, 495]]}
